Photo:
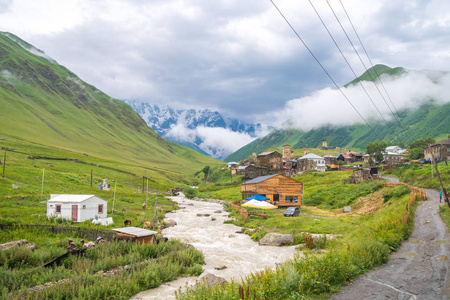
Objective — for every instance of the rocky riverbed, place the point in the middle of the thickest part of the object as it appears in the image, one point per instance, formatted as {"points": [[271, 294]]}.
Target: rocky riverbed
{"points": [[228, 253]]}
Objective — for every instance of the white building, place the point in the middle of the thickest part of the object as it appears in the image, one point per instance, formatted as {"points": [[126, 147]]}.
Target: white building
{"points": [[77, 208], [311, 162]]}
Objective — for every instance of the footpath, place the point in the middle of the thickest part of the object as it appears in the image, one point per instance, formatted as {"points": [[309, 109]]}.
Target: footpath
{"points": [[418, 270]]}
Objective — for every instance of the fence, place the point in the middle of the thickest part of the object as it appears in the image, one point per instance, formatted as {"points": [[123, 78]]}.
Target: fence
{"points": [[416, 193], [87, 233], [236, 205]]}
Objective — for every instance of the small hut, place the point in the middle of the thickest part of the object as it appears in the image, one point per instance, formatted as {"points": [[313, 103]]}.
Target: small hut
{"points": [[136, 234]]}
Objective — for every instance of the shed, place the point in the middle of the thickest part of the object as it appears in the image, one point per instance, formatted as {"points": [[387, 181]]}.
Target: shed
{"points": [[77, 208], [280, 189], [137, 234]]}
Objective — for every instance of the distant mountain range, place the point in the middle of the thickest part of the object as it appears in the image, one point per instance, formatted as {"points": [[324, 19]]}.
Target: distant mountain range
{"points": [[431, 118], [44, 103], [166, 120]]}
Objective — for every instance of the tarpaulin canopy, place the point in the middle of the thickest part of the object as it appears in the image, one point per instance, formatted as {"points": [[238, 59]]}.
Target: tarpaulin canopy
{"points": [[257, 197], [259, 204]]}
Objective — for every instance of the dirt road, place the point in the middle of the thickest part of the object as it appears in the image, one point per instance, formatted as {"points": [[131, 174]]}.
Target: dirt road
{"points": [[418, 270]]}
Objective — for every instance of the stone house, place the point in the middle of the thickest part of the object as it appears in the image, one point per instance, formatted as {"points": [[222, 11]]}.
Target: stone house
{"points": [[393, 158], [440, 150], [330, 159], [311, 162], [273, 161], [250, 171]]}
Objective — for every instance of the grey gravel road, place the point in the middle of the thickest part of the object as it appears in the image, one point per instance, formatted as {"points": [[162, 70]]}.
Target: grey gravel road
{"points": [[418, 270]]}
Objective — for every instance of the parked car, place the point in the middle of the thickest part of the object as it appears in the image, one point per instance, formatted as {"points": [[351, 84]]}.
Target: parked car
{"points": [[292, 212]]}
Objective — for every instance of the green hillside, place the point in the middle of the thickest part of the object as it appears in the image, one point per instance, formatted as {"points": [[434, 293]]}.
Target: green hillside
{"points": [[43, 103], [431, 119]]}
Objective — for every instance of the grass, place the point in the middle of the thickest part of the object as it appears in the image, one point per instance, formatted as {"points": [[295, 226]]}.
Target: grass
{"points": [[423, 176], [149, 266]]}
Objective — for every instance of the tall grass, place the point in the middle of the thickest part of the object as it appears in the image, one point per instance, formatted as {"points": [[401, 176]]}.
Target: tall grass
{"points": [[149, 266]]}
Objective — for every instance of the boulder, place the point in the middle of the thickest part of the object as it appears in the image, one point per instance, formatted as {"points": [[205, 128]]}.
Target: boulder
{"points": [[32, 247], [88, 245], [220, 267], [171, 223], [218, 212], [276, 239], [213, 280], [347, 209], [15, 186], [203, 215]]}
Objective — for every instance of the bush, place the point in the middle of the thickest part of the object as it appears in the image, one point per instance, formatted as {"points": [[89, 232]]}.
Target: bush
{"points": [[190, 192]]}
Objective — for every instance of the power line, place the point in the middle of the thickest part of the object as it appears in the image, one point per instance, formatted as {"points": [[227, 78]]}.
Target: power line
{"points": [[323, 68], [396, 114], [365, 67], [343, 56]]}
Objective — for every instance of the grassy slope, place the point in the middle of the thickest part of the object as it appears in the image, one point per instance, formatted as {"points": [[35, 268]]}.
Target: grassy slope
{"points": [[44, 103], [430, 119]]}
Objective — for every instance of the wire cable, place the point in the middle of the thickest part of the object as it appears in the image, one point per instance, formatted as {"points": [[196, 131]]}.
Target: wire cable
{"points": [[353, 71], [397, 115], [323, 68], [374, 81]]}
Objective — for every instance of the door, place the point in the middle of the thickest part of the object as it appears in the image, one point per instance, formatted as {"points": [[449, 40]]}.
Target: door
{"points": [[75, 213], [276, 198]]}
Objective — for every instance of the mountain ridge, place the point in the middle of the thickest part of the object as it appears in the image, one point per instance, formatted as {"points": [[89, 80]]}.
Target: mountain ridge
{"points": [[45, 103], [430, 119], [163, 118]]}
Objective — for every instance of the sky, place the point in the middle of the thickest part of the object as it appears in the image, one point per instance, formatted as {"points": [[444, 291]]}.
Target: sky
{"points": [[238, 57]]}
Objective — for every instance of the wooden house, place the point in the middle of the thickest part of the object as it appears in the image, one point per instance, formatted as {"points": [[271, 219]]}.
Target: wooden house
{"points": [[136, 234], [273, 160], [280, 189], [77, 208]]}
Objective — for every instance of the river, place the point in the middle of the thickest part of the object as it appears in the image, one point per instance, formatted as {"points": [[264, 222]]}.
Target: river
{"points": [[220, 244]]}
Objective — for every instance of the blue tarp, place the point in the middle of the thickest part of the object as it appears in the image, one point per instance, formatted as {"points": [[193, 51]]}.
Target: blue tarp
{"points": [[257, 197]]}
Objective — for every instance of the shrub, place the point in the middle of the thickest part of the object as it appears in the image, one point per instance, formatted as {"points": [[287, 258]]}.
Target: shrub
{"points": [[190, 192]]}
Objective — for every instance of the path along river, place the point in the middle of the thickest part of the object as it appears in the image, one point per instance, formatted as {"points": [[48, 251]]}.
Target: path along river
{"points": [[220, 244]]}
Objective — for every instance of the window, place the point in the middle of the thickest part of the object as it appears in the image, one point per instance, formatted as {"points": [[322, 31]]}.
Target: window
{"points": [[84, 206], [58, 208], [100, 208]]}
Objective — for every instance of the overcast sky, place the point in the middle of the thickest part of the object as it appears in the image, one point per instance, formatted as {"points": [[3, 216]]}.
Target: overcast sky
{"points": [[237, 57]]}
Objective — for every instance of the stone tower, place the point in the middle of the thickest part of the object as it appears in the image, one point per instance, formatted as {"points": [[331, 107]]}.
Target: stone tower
{"points": [[287, 153]]}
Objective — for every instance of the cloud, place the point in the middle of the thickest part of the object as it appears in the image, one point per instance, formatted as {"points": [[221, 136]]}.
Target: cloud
{"points": [[239, 57], [329, 107], [216, 141]]}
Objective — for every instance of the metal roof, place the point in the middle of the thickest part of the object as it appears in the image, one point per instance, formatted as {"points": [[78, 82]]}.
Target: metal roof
{"points": [[138, 232], [260, 179], [266, 153], [69, 198], [311, 156]]}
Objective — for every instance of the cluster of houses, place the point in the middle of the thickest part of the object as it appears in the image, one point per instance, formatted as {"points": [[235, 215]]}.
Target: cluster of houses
{"points": [[274, 162]]}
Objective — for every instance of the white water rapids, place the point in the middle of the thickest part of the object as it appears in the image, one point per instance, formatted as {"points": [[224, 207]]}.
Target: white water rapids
{"points": [[220, 244]]}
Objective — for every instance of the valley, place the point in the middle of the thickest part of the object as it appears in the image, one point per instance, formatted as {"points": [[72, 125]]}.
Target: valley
{"points": [[60, 135]]}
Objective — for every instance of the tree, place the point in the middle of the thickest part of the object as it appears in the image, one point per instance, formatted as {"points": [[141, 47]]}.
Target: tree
{"points": [[206, 171], [422, 143], [416, 153], [376, 150]]}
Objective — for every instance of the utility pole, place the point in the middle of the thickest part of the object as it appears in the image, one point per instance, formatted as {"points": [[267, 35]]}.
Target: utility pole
{"points": [[439, 176], [4, 165], [146, 194], [154, 213], [114, 199], [42, 188]]}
